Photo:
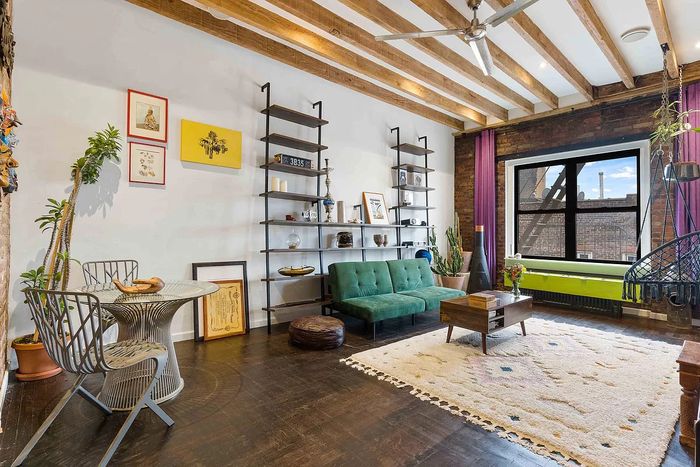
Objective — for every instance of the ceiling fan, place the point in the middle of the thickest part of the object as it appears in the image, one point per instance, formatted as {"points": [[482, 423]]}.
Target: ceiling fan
{"points": [[474, 34]]}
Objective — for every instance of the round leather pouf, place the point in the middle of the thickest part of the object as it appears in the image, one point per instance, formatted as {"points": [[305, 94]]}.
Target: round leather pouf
{"points": [[317, 332]]}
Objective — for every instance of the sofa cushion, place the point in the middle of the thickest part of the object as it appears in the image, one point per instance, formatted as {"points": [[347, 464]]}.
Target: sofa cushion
{"points": [[433, 295], [380, 307], [410, 274], [359, 279]]}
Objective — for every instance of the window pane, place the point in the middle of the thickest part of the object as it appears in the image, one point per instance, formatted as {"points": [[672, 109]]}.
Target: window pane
{"points": [[610, 236], [611, 183], [542, 188], [541, 235]]}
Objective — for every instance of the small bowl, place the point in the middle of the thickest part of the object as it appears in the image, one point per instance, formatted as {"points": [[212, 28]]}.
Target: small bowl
{"points": [[290, 271]]}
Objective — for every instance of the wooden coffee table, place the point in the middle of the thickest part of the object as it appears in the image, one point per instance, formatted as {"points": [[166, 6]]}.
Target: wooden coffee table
{"points": [[509, 311]]}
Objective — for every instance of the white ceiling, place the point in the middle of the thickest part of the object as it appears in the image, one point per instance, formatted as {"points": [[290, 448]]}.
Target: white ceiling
{"points": [[561, 25]]}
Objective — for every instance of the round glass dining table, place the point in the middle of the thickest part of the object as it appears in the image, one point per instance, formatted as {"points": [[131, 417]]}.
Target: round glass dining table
{"points": [[146, 317]]}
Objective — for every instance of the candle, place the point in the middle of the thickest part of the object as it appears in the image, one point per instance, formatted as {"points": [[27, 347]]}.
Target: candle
{"points": [[275, 184], [283, 186]]}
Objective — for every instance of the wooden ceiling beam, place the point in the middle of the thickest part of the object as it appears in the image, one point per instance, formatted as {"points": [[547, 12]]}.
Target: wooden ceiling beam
{"points": [[592, 22], [534, 36], [192, 16], [663, 33], [646, 85], [388, 19], [259, 17], [341, 28], [450, 18]]}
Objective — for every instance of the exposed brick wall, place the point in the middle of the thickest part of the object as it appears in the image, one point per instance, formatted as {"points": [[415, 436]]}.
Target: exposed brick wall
{"points": [[595, 126]]}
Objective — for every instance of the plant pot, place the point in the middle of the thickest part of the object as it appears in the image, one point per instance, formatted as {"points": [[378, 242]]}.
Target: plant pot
{"points": [[453, 282], [34, 362]]}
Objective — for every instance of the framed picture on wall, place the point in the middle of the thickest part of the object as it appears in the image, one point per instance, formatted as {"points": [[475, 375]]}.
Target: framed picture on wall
{"points": [[225, 312], [147, 116], [146, 164], [208, 144], [375, 208]]}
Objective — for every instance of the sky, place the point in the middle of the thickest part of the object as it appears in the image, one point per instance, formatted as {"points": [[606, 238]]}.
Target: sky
{"points": [[620, 177]]}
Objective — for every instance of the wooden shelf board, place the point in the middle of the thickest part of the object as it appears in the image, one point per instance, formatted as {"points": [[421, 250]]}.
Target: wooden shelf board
{"points": [[290, 115], [413, 168], [297, 278], [412, 208], [346, 225], [413, 149], [301, 304], [292, 196], [316, 250], [294, 143], [416, 188], [290, 169]]}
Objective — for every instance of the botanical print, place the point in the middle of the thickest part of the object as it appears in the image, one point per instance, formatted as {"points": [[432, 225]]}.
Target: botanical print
{"points": [[146, 163], [224, 313], [212, 145], [375, 208], [147, 116]]}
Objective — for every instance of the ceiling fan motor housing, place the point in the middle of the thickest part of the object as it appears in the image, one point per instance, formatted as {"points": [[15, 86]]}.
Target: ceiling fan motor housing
{"points": [[474, 4]]}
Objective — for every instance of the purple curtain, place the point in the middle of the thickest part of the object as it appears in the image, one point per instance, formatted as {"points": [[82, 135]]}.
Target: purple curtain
{"points": [[690, 144], [485, 194]]}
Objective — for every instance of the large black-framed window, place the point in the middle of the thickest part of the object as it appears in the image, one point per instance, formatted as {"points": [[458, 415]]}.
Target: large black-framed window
{"points": [[579, 209]]}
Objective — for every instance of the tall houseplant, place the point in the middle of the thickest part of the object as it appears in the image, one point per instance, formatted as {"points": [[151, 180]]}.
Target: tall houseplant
{"points": [[54, 272], [449, 267]]}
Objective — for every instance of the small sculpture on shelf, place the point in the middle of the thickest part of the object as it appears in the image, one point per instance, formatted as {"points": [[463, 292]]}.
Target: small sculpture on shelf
{"points": [[378, 239], [328, 201], [293, 241]]}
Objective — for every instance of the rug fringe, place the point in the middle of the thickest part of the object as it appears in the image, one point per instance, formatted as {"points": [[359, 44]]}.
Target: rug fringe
{"points": [[483, 422]]}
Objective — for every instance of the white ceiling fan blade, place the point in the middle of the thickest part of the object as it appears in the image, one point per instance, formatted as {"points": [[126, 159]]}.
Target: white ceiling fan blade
{"points": [[504, 14], [420, 34], [483, 56]]}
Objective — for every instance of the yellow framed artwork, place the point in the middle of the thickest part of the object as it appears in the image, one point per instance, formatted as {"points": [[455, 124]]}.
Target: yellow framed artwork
{"points": [[224, 310], [208, 144]]}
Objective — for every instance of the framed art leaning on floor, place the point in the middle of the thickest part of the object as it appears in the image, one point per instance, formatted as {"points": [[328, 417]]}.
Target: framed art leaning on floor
{"points": [[224, 313]]}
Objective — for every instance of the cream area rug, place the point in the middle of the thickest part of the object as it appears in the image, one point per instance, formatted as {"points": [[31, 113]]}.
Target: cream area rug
{"points": [[572, 393]]}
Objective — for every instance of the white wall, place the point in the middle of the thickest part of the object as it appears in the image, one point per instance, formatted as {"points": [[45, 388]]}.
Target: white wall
{"points": [[75, 61]]}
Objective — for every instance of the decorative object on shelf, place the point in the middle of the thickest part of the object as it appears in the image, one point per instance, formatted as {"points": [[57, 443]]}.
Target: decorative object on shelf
{"points": [[424, 254], [147, 116], [345, 240], [340, 212], [290, 218], [293, 161], [309, 214], [140, 286], [274, 183], [146, 164], [411, 221], [515, 274], [378, 239], [385, 242], [226, 312], [375, 208], [403, 177], [479, 277], [670, 273], [293, 241], [291, 271], [283, 186], [449, 268], [328, 201], [416, 179], [211, 145], [356, 215], [406, 198]]}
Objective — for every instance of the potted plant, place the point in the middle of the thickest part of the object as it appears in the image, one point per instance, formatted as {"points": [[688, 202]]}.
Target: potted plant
{"points": [[449, 268], [34, 361]]}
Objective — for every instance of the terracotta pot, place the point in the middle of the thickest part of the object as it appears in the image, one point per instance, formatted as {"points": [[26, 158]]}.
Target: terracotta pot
{"points": [[34, 362], [453, 282]]}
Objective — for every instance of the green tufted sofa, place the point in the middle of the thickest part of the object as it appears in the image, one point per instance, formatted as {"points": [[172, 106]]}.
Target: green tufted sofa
{"points": [[377, 290]]}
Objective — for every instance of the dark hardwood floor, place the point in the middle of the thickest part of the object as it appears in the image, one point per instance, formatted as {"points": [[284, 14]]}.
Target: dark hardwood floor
{"points": [[254, 400]]}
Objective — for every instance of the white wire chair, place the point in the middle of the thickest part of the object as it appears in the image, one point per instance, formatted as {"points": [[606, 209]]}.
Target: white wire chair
{"points": [[71, 328]]}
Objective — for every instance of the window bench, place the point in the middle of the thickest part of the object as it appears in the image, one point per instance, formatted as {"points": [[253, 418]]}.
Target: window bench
{"points": [[565, 282]]}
